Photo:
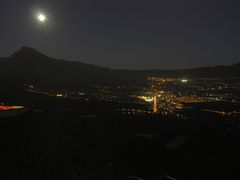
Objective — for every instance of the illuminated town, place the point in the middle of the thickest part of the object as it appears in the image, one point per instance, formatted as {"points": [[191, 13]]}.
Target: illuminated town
{"points": [[165, 96], [119, 90]]}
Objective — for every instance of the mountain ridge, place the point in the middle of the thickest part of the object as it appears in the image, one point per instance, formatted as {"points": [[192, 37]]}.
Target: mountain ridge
{"points": [[28, 65], [24, 50]]}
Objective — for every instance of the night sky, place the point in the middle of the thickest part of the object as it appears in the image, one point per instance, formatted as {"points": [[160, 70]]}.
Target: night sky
{"points": [[129, 34]]}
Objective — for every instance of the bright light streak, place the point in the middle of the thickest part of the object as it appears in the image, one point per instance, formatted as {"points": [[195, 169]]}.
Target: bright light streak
{"points": [[146, 98]]}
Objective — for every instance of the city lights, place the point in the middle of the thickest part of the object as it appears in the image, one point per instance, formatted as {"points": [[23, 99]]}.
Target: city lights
{"points": [[184, 80]]}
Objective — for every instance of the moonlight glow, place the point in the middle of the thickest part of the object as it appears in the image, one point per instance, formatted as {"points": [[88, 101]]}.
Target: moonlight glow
{"points": [[41, 17]]}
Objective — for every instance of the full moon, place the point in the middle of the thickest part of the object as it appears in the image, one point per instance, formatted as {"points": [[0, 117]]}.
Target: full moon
{"points": [[41, 17]]}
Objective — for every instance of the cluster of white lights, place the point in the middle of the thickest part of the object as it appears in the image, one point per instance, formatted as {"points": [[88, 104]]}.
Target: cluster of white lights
{"points": [[184, 80]]}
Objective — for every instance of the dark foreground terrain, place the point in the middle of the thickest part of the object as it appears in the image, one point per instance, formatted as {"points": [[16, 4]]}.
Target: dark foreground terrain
{"points": [[64, 139]]}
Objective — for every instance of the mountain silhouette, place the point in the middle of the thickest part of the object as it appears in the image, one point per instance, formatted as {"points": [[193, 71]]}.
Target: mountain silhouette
{"points": [[29, 66]]}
